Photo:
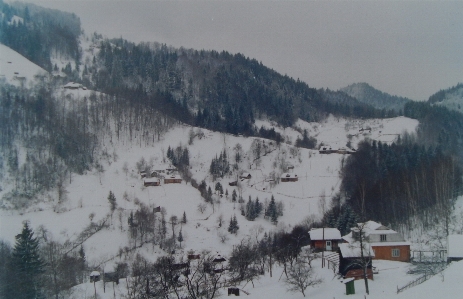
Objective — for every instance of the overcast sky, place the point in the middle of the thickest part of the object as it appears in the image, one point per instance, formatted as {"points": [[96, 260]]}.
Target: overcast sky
{"points": [[405, 48]]}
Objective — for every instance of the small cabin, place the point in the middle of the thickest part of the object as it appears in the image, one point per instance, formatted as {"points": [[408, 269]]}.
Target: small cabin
{"points": [[173, 179], [324, 149], [245, 176], [325, 239], [289, 177], [151, 182], [94, 276], [143, 174], [234, 183]]}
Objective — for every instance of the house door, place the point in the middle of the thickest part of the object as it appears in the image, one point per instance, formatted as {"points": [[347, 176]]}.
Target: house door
{"points": [[328, 246]]}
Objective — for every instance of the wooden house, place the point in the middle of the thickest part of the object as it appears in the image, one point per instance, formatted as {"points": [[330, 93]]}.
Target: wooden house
{"points": [[245, 176], [289, 177], [386, 243], [454, 248], [151, 182], [173, 179], [351, 263], [325, 239]]}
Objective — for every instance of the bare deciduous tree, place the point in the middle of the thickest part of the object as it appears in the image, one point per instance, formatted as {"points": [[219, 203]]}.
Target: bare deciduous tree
{"points": [[300, 277]]}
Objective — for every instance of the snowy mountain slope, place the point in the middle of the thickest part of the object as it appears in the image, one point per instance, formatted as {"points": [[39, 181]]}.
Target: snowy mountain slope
{"points": [[87, 194], [369, 95], [451, 98], [15, 69]]}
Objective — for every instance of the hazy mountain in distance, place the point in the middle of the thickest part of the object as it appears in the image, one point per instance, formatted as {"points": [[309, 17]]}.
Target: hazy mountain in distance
{"points": [[451, 98], [367, 94]]}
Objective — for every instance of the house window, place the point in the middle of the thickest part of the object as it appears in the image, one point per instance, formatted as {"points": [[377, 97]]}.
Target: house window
{"points": [[395, 252], [382, 238]]}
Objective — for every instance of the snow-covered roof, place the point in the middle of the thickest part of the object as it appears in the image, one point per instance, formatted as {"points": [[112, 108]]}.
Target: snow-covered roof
{"points": [[374, 228], [74, 85], [151, 180], [325, 234], [377, 244], [174, 176], [288, 175], [455, 246], [95, 273], [353, 250]]}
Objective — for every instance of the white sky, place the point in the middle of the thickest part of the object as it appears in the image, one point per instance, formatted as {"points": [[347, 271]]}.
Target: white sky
{"points": [[405, 48]]}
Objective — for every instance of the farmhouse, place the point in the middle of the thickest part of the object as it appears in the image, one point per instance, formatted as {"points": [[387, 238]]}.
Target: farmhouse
{"points": [[288, 177], [151, 182], [351, 262], [454, 248], [386, 243], [172, 179], [325, 239]]}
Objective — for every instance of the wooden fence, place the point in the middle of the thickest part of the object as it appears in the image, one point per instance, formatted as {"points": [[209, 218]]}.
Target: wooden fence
{"points": [[418, 281]]}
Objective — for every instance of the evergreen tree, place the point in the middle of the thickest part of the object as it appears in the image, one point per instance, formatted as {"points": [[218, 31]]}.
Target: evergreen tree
{"points": [[250, 213], [272, 212], [258, 207], [233, 227], [184, 218], [180, 238], [26, 267], [209, 194], [234, 195], [112, 201], [219, 188]]}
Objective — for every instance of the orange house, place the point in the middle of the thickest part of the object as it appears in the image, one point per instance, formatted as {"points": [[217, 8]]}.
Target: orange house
{"points": [[386, 243]]}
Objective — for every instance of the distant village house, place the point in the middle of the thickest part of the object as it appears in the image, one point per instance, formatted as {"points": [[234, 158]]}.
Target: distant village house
{"points": [[289, 177], [151, 182], [173, 179]]}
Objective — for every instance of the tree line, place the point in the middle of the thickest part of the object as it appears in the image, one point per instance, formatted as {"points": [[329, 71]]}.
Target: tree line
{"points": [[394, 183]]}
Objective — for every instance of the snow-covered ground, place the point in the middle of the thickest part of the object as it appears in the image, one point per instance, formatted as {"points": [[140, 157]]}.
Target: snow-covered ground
{"points": [[15, 69], [86, 197]]}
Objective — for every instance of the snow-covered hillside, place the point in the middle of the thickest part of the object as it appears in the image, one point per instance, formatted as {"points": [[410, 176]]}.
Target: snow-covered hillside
{"points": [[16, 70], [87, 194]]}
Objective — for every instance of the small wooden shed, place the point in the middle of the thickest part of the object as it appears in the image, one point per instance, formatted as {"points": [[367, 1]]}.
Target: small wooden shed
{"points": [[94, 276]]}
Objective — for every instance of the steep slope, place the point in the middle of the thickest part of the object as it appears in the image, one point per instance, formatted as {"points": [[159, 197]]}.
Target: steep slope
{"points": [[451, 98], [16, 70], [367, 94]]}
